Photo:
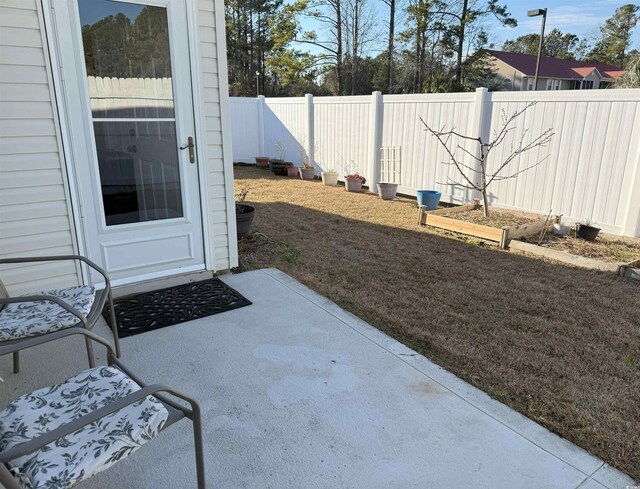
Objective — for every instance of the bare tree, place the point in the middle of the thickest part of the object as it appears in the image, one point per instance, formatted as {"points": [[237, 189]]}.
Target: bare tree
{"points": [[391, 40], [329, 14], [358, 35], [502, 170]]}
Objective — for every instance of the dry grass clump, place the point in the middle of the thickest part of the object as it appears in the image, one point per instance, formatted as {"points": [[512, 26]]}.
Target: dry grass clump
{"points": [[611, 249], [559, 344]]}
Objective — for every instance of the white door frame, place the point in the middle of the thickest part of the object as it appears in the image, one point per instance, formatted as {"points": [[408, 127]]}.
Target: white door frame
{"points": [[70, 156]]}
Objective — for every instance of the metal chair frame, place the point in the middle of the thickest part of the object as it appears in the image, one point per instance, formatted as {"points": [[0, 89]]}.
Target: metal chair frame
{"points": [[176, 410], [102, 297]]}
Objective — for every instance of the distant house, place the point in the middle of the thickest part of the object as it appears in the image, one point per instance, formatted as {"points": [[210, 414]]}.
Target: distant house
{"points": [[517, 71]]}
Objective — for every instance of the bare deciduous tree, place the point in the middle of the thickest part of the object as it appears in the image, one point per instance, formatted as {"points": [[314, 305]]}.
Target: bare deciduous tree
{"points": [[391, 40], [485, 175]]}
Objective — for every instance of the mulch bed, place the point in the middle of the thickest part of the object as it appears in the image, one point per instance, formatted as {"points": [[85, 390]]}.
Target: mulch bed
{"points": [[498, 218], [611, 249]]}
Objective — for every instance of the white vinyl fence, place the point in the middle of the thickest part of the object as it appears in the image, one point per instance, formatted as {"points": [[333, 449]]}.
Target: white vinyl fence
{"points": [[590, 170]]}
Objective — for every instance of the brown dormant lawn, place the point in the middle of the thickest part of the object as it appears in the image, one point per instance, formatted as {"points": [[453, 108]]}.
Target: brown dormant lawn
{"points": [[559, 344]]}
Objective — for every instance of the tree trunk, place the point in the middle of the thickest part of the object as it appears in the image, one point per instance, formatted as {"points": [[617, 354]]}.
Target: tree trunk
{"points": [[418, 70], [354, 55], [463, 21], [485, 202], [252, 51], [338, 8], [392, 19]]}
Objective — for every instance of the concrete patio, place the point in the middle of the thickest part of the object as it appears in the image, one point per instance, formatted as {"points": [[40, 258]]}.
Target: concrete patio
{"points": [[297, 393]]}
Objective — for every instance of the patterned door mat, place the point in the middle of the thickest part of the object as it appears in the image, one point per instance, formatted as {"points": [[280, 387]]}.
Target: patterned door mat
{"points": [[159, 308]]}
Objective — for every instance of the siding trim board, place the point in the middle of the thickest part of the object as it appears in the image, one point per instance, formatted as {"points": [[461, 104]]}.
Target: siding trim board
{"points": [[200, 136], [227, 144]]}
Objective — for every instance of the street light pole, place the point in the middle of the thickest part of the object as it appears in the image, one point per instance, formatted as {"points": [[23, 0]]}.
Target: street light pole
{"points": [[257, 83], [535, 13]]}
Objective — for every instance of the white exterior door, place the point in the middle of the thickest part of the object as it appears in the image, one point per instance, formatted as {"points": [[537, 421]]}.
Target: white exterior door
{"points": [[129, 109]]}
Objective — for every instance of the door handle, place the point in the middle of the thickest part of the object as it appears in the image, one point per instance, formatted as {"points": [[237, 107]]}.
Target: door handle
{"points": [[191, 146]]}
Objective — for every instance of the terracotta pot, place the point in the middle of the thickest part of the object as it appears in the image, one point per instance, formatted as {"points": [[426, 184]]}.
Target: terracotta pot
{"points": [[307, 173], [353, 184], [262, 161], [292, 171]]}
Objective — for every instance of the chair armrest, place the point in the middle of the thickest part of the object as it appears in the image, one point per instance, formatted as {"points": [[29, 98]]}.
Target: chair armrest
{"points": [[53, 435], [29, 259], [46, 298], [56, 335], [7, 478]]}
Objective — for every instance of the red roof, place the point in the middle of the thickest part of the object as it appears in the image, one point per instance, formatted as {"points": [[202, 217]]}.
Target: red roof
{"points": [[583, 71], [615, 74], [554, 67]]}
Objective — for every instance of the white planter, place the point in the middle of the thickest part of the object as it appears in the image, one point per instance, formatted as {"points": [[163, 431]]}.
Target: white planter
{"points": [[387, 191], [330, 179]]}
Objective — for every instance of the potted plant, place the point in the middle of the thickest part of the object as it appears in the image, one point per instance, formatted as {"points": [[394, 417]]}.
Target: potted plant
{"points": [[307, 172], [387, 191], [586, 231], [330, 178], [292, 170], [262, 161], [244, 214], [428, 198], [278, 165], [353, 182]]}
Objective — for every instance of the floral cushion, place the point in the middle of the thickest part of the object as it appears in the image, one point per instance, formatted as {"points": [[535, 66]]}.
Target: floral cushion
{"points": [[91, 449], [25, 319]]}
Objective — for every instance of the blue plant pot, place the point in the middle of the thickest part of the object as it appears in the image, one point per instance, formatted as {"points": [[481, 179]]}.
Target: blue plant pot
{"points": [[428, 198]]}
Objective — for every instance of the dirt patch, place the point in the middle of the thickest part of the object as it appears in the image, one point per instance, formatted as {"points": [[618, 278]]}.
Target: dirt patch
{"points": [[498, 218], [611, 249], [559, 344]]}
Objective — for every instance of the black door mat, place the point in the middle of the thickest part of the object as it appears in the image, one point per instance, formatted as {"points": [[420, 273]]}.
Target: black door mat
{"points": [[139, 313]]}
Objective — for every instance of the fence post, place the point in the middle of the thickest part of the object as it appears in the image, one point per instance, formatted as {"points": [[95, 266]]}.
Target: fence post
{"points": [[632, 224], [261, 104], [310, 128], [481, 127], [375, 133]]}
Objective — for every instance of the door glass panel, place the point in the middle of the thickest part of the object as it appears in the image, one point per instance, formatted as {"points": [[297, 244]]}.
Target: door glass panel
{"points": [[126, 54], [128, 68], [138, 171]]}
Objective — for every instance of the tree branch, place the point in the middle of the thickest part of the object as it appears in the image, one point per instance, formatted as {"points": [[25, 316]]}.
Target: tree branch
{"points": [[445, 144]]}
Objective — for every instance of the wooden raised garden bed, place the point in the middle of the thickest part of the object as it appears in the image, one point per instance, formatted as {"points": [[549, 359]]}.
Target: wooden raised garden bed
{"points": [[500, 235]]}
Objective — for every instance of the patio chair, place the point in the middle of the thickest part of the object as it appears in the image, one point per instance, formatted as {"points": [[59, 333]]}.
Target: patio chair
{"points": [[46, 312], [59, 436]]}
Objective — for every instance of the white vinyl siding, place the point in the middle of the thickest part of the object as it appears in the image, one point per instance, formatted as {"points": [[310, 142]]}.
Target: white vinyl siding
{"points": [[34, 207], [216, 214]]}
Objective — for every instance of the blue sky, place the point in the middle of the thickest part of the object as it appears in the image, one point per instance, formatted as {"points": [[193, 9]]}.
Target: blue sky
{"points": [[581, 17]]}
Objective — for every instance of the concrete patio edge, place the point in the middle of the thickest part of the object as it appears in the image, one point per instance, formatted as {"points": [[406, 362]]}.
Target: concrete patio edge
{"points": [[591, 466]]}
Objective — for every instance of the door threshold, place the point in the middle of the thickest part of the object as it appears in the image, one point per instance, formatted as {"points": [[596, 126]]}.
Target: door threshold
{"points": [[161, 283]]}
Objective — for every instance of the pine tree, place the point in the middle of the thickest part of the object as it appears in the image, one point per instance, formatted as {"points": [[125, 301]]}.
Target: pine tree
{"points": [[615, 36]]}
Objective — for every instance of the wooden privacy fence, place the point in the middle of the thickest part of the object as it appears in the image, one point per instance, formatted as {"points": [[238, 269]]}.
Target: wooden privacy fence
{"points": [[591, 168]]}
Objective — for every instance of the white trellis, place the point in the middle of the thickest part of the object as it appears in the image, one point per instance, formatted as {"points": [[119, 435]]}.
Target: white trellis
{"points": [[390, 163]]}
